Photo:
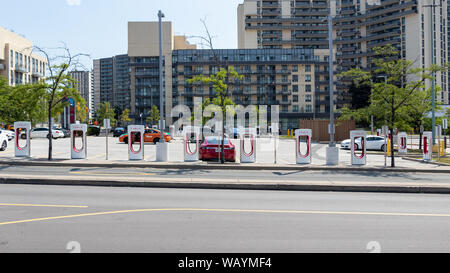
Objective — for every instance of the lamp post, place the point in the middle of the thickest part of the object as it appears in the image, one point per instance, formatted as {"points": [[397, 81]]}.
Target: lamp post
{"points": [[161, 95], [433, 87], [162, 152], [332, 152]]}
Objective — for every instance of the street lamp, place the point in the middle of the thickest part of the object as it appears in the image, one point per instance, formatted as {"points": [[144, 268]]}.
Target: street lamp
{"points": [[332, 151], [433, 88], [161, 95], [162, 152]]}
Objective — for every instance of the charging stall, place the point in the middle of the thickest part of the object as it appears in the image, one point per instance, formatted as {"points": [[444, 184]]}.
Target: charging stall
{"points": [[136, 136], [248, 151], [402, 143], [427, 145], [192, 137], [22, 132], [362, 158], [306, 156], [78, 131]]}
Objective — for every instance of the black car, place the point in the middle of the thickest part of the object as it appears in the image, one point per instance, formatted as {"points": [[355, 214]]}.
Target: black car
{"points": [[93, 130], [118, 132]]}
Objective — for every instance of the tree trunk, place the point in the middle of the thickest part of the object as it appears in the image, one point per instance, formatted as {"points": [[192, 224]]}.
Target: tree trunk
{"points": [[222, 155], [50, 136]]}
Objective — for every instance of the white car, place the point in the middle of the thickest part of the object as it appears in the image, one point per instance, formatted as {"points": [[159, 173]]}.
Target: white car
{"points": [[373, 143], [9, 134], [44, 133], [3, 142]]}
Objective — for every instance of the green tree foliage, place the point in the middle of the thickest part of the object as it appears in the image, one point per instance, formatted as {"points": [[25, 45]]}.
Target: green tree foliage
{"points": [[398, 99], [154, 115], [125, 117], [105, 111]]}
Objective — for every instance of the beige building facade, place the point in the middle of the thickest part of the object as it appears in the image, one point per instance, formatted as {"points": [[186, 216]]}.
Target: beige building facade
{"points": [[18, 63]]}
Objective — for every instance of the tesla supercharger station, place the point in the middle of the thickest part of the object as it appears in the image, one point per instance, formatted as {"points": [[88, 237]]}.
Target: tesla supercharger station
{"points": [[427, 145], [359, 159], [191, 137], [248, 153], [78, 131], [303, 157], [402, 143], [22, 128], [135, 135]]}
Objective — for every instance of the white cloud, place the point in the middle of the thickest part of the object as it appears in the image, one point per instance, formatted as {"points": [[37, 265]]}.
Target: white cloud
{"points": [[73, 2]]}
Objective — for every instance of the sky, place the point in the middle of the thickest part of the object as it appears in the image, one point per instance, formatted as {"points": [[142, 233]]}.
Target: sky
{"points": [[99, 27]]}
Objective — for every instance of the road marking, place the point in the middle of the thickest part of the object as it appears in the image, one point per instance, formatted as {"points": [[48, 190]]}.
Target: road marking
{"points": [[226, 210], [34, 205]]}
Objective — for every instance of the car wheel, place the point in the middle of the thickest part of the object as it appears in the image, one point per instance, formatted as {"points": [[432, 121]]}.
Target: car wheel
{"points": [[156, 140], [382, 148], [4, 145], [125, 140]]}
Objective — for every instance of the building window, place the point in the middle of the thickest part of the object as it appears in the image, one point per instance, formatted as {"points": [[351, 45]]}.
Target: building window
{"points": [[294, 78], [295, 88], [308, 88], [308, 68], [295, 98], [308, 108], [307, 78], [295, 68], [295, 108], [308, 98]]}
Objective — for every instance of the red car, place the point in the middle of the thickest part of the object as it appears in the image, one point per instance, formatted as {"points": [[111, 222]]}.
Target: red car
{"points": [[211, 147]]}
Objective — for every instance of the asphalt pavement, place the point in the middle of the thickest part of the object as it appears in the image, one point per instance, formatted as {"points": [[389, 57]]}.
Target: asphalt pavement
{"points": [[96, 219]]}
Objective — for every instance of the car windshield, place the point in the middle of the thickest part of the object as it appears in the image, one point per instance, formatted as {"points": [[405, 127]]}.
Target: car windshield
{"points": [[216, 141]]}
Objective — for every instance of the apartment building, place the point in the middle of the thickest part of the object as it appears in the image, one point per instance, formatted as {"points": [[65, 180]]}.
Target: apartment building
{"points": [[112, 82], [292, 79], [143, 51], [359, 26], [18, 63], [85, 88]]}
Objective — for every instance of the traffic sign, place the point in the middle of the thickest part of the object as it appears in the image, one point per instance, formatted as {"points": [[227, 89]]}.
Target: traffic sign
{"points": [[107, 123]]}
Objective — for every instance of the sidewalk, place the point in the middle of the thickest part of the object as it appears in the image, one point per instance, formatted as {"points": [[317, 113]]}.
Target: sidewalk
{"points": [[418, 166]]}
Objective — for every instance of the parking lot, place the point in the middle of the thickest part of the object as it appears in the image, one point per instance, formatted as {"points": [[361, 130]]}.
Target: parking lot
{"points": [[265, 152]]}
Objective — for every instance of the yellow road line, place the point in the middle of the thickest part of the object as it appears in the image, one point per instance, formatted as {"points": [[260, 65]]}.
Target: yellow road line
{"points": [[34, 205], [228, 210]]}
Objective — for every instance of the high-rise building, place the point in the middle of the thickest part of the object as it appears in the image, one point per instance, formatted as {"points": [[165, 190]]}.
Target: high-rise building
{"points": [[18, 62], [85, 88], [359, 26], [112, 82], [143, 50]]}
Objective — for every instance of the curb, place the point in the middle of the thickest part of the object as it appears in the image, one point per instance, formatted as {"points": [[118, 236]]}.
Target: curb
{"points": [[231, 186], [231, 166]]}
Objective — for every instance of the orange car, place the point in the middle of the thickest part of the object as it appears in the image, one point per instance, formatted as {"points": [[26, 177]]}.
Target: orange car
{"points": [[150, 135]]}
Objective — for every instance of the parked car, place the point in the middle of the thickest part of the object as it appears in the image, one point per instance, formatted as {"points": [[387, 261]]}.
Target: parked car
{"points": [[119, 131], [9, 134], [373, 143], [211, 146], [3, 142], [93, 130], [65, 131], [150, 135], [43, 133]]}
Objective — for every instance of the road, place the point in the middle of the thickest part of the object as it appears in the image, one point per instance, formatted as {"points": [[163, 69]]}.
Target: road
{"points": [[97, 219]]}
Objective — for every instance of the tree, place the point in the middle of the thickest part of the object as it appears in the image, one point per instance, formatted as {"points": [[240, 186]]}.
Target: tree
{"points": [[394, 98], [220, 82], [59, 85], [105, 111], [125, 117], [154, 115]]}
